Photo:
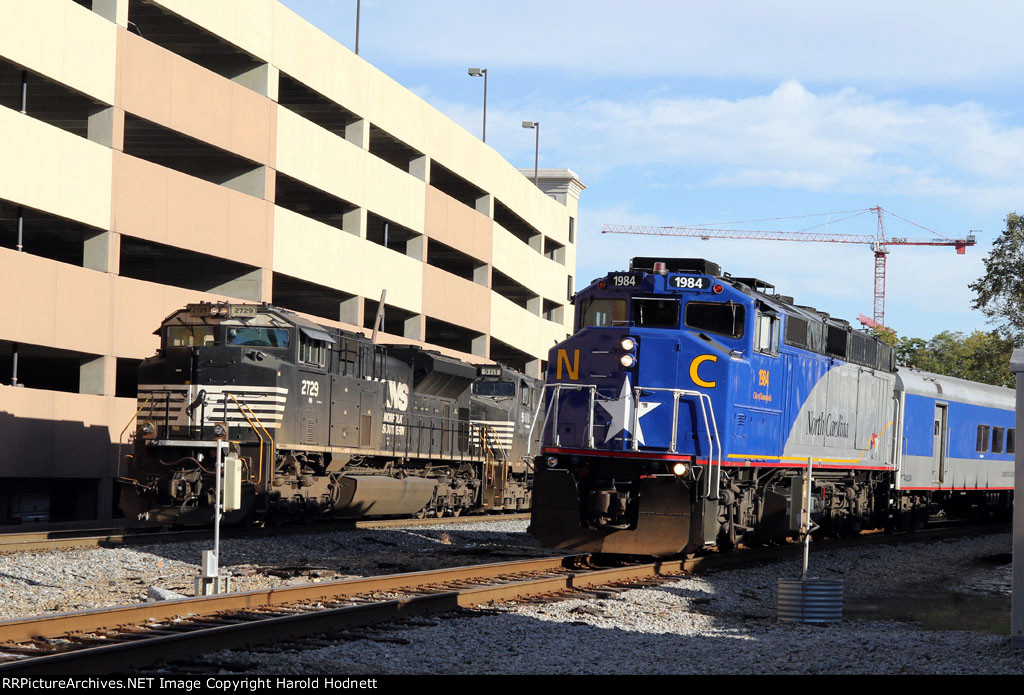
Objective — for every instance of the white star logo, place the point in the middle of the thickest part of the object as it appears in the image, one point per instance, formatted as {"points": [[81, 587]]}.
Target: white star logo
{"points": [[621, 410]]}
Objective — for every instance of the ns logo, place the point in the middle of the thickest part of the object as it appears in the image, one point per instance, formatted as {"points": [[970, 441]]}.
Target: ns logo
{"points": [[398, 396]]}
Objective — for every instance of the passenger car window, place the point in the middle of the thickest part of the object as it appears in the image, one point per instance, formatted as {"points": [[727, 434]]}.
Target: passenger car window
{"points": [[982, 443]]}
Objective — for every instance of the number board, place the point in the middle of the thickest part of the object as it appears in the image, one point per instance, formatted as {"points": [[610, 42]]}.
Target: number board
{"points": [[683, 282], [488, 371], [243, 311], [623, 280]]}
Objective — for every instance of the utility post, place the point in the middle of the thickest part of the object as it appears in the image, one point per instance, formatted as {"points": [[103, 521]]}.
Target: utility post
{"points": [[1017, 598], [227, 497]]}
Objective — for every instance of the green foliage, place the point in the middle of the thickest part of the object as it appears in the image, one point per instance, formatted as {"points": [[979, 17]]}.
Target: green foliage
{"points": [[980, 356], [885, 334], [999, 294]]}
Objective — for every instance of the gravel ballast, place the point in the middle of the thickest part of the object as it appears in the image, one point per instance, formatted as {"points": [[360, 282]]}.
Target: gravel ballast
{"points": [[721, 622]]}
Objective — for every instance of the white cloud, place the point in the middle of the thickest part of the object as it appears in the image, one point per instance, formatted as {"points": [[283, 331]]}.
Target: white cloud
{"points": [[842, 141]]}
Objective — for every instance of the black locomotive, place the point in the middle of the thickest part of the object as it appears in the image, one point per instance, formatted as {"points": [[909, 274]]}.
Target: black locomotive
{"points": [[325, 422]]}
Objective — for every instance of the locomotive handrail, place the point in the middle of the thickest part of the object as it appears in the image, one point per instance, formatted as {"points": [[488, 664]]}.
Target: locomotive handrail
{"points": [[709, 424], [120, 437], [590, 413], [261, 427]]}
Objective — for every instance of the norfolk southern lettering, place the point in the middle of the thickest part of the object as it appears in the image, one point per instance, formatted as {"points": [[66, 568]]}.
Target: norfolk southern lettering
{"points": [[828, 425]]}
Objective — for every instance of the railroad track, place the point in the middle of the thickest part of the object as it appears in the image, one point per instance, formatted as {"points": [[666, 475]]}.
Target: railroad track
{"points": [[25, 541], [103, 641]]}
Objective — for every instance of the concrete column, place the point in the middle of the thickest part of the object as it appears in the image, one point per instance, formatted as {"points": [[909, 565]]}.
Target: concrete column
{"points": [[351, 311], [420, 168], [481, 346], [354, 222], [105, 500], [358, 133], [98, 375], [416, 248], [249, 181], [415, 327], [535, 305], [248, 286], [102, 252], [266, 285], [270, 184], [482, 275], [485, 205], [262, 79], [102, 125], [537, 243], [533, 368], [114, 10]]}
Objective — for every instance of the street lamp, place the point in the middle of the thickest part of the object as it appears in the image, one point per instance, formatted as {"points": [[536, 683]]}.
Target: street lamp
{"points": [[536, 151], [482, 72], [359, 4]]}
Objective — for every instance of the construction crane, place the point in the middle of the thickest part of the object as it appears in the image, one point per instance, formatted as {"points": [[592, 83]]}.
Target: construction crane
{"points": [[878, 243]]}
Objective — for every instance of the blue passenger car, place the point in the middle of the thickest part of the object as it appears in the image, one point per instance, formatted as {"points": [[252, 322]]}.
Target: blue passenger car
{"points": [[687, 401]]}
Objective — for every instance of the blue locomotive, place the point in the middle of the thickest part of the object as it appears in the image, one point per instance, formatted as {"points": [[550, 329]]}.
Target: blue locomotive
{"points": [[688, 403]]}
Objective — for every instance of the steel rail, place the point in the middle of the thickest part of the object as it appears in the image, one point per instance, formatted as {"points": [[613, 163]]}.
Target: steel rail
{"points": [[277, 614], [94, 538]]}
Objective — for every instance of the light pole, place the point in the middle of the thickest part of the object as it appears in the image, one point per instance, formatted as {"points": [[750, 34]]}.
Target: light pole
{"points": [[536, 152], [359, 4], [478, 72]]}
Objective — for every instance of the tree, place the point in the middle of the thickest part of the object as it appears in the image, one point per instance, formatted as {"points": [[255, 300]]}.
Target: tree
{"points": [[999, 294], [980, 356]]}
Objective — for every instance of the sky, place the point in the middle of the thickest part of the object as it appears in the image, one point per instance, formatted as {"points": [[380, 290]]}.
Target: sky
{"points": [[685, 113]]}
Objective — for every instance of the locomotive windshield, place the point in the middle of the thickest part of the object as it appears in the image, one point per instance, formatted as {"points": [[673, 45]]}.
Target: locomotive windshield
{"points": [[257, 337], [722, 319], [604, 312], [190, 336], [655, 313], [500, 389]]}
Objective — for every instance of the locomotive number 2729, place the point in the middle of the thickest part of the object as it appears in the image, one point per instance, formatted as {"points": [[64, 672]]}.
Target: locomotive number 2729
{"points": [[310, 387]]}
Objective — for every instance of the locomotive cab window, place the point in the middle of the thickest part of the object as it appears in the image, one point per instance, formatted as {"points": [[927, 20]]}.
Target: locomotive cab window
{"points": [[766, 332], [649, 312], [526, 394], [604, 312], [190, 336], [312, 352], [982, 444], [722, 319]]}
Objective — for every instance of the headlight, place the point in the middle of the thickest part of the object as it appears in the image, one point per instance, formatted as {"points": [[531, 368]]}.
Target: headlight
{"points": [[627, 361], [627, 344], [679, 469], [220, 430], [148, 429], [552, 461]]}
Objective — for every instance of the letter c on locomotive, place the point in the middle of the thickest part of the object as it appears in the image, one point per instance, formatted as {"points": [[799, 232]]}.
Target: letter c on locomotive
{"points": [[695, 374]]}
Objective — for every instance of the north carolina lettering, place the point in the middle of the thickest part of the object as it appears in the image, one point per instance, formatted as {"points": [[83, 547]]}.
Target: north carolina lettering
{"points": [[828, 425]]}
